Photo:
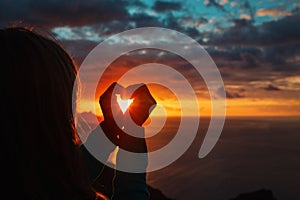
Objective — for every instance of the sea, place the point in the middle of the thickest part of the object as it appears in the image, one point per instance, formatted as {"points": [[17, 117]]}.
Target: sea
{"points": [[252, 153]]}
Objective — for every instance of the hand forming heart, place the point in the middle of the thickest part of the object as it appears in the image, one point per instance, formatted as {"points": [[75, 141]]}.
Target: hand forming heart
{"points": [[139, 100], [141, 105]]}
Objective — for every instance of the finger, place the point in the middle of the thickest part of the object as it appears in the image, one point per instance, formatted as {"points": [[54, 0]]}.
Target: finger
{"points": [[113, 88], [110, 92], [141, 109], [130, 90], [143, 94], [143, 97], [108, 101]]}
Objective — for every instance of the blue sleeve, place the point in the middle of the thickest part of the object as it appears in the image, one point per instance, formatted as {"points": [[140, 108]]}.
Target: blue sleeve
{"points": [[130, 183], [130, 186]]}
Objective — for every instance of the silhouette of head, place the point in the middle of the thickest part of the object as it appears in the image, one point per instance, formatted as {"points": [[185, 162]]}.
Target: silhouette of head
{"points": [[40, 152]]}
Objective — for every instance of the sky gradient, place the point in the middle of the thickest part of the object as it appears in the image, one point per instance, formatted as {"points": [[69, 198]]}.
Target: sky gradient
{"points": [[255, 44]]}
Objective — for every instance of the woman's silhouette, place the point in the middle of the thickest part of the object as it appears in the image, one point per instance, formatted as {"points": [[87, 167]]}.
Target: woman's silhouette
{"points": [[40, 151]]}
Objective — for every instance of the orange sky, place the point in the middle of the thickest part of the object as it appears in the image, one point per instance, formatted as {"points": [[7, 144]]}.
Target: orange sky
{"points": [[234, 107], [244, 98]]}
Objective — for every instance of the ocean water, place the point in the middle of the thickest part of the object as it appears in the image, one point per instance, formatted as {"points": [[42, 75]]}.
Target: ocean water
{"points": [[252, 153]]}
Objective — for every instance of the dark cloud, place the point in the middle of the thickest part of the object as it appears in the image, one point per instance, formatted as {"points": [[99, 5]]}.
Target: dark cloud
{"points": [[143, 20], [51, 13], [271, 88], [192, 32], [281, 57], [172, 22], [138, 3], [111, 27], [237, 56], [235, 94], [78, 49], [247, 6], [162, 6], [232, 93], [215, 4], [273, 45], [285, 30]]}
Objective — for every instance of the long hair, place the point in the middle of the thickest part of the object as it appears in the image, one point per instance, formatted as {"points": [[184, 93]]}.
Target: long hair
{"points": [[41, 156]]}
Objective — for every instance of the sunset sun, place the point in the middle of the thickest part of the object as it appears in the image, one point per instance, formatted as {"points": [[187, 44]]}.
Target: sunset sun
{"points": [[124, 104]]}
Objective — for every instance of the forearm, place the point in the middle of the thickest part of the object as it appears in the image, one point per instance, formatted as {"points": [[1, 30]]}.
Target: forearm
{"points": [[131, 161], [130, 185]]}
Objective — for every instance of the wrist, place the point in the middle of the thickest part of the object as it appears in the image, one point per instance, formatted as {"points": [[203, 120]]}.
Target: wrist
{"points": [[130, 138], [111, 130], [133, 140]]}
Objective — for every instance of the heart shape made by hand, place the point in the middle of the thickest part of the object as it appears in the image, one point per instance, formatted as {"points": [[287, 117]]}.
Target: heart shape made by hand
{"points": [[123, 103], [137, 100]]}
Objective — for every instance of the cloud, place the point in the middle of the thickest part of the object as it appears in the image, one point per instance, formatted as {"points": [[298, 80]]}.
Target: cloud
{"points": [[250, 9], [78, 49], [223, 2], [143, 20], [271, 88], [242, 45], [245, 16], [243, 32], [236, 56], [51, 13], [215, 4], [162, 6], [273, 45], [233, 93], [233, 4], [272, 12]]}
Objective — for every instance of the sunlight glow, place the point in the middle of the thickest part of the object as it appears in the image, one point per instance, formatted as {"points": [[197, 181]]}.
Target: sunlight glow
{"points": [[124, 104]]}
